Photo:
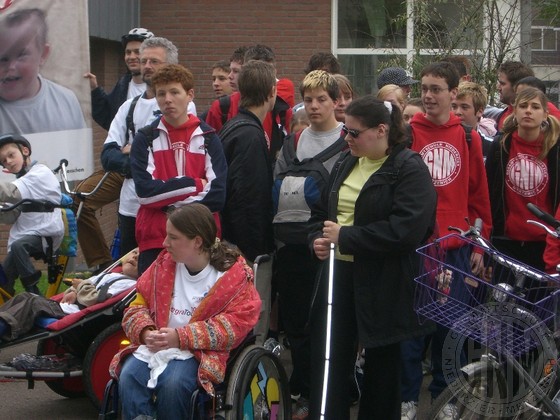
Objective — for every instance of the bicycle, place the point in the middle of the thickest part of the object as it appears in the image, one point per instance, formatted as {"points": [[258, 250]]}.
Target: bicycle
{"points": [[509, 318], [56, 261]]}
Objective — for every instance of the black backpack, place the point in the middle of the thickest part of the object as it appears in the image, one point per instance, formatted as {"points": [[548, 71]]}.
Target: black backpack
{"points": [[299, 188], [279, 112]]}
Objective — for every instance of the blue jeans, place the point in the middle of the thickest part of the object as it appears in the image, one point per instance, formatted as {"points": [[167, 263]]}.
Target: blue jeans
{"points": [[459, 258], [171, 398]]}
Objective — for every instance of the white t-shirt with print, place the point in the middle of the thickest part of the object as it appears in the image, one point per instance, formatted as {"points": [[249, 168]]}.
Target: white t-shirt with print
{"points": [[188, 292]]}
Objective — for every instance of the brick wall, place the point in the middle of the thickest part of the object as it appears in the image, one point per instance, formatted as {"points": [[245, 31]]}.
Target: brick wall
{"points": [[206, 31]]}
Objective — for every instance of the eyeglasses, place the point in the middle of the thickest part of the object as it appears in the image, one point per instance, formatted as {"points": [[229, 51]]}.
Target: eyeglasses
{"points": [[436, 90], [354, 133], [154, 62]]}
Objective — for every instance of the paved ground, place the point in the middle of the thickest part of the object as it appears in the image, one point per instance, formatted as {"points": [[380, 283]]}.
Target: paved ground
{"points": [[424, 403], [18, 402]]}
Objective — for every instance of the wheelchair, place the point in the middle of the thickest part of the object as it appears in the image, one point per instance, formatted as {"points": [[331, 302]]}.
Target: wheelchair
{"points": [[256, 386]]}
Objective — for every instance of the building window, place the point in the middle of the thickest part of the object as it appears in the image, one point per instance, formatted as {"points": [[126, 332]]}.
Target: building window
{"points": [[370, 35], [543, 38]]}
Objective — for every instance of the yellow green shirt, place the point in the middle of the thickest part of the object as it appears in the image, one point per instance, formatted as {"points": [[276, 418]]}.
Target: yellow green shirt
{"points": [[349, 191]]}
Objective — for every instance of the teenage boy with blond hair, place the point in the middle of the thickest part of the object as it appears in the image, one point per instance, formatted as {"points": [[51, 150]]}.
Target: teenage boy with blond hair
{"points": [[468, 105], [295, 264]]}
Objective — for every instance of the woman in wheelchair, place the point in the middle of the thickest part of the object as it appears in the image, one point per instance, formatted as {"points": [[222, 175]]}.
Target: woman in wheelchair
{"points": [[30, 229], [194, 304]]}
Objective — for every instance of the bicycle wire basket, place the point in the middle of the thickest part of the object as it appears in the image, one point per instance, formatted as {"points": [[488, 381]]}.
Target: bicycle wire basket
{"points": [[508, 309]]}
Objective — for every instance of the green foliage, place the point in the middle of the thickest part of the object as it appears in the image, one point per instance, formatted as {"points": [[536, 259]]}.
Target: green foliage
{"points": [[549, 10]]}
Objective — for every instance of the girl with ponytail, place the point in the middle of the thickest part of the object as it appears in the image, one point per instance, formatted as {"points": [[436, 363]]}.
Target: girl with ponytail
{"points": [[380, 207]]}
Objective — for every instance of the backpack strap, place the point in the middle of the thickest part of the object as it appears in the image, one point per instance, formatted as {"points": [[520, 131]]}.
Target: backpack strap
{"points": [[150, 131], [332, 150], [468, 133], [130, 119], [290, 146], [225, 103], [233, 125]]}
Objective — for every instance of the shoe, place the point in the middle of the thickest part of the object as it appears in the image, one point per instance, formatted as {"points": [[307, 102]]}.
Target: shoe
{"points": [[408, 410], [30, 282], [302, 409], [426, 367], [448, 412]]}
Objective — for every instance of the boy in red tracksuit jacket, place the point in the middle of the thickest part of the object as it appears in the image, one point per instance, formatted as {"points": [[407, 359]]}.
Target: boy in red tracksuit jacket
{"points": [[457, 169], [180, 161]]}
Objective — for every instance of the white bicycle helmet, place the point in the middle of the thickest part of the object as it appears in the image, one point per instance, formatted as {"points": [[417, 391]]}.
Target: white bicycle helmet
{"points": [[136, 34]]}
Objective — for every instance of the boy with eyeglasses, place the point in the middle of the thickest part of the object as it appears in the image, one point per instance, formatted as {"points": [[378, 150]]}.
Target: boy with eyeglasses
{"points": [[457, 168]]}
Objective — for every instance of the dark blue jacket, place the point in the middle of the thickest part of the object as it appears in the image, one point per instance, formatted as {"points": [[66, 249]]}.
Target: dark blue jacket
{"points": [[104, 106]]}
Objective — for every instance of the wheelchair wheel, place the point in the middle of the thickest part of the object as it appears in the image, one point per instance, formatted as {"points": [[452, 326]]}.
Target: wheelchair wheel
{"points": [[258, 387], [66, 387], [97, 360]]}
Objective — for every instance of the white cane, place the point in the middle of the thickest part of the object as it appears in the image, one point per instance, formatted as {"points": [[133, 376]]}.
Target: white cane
{"points": [[328, 337]]}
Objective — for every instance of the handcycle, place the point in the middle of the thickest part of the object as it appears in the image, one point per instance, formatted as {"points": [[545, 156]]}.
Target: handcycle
{"points": [[506, 322], [73, 353], [55, 260]]}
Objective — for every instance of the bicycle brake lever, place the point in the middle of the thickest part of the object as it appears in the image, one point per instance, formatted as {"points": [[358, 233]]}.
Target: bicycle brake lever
{"points": [[456, 229]]}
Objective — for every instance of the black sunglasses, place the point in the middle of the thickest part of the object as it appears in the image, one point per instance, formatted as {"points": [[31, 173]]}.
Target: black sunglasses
{"points": [[353, 133]]}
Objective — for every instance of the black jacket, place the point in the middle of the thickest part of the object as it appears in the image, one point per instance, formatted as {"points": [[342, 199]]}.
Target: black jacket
{"points": [[394, 214], [104, 106], [496, 163], [247, 214]]}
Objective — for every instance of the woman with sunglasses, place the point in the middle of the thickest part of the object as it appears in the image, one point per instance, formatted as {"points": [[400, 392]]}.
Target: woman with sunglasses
{"points": [[380, 208]]}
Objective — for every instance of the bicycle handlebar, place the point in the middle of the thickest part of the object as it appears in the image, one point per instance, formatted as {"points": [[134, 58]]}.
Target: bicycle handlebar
{"points": [[64, 178], [31, 205], [544, 216], [474, 233]]}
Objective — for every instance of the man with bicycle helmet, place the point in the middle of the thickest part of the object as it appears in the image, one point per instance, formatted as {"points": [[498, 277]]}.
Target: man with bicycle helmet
{"points": [[31, 232], [104, 109], [105, 105]]}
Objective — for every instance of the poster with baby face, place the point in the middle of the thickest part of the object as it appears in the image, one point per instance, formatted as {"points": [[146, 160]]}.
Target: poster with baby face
{"points": [[44, 51]]}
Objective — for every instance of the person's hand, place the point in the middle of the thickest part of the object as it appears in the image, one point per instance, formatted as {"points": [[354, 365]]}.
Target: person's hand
{"points": [[321, 247], [92, 80], [204, 182], [331, 231], [162, 339], [126, 149], [477, 264], [69, 297], [170, 336]]}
